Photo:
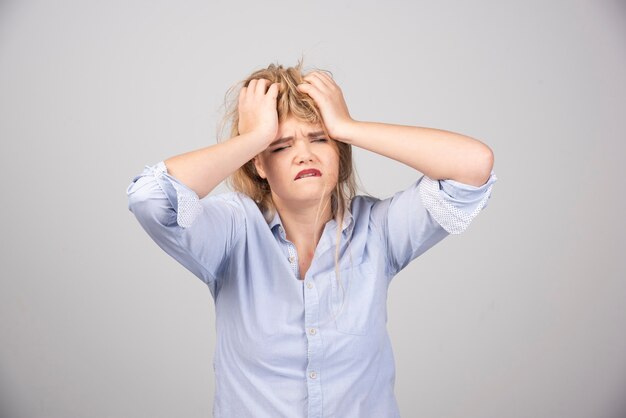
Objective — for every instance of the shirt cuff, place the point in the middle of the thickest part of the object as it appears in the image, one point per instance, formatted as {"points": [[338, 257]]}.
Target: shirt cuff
{"points": [[185, 201], [453, 204]]}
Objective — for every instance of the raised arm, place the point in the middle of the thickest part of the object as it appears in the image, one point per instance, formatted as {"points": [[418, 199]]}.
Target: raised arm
{"points": [[166, 198], [202, 170], [438, 154]]}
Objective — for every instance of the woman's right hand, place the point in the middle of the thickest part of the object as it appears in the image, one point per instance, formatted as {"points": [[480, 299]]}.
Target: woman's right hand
{"points": [[257, 109]]}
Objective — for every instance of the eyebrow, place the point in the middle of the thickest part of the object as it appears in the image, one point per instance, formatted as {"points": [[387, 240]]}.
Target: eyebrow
{"points": [[289, 138]]}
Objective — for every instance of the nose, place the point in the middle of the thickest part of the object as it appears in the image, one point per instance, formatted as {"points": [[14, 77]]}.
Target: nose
{"points": [[303, 151]]}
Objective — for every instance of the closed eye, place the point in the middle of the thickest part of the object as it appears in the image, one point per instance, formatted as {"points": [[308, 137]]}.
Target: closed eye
{"points": [[287, 146]]}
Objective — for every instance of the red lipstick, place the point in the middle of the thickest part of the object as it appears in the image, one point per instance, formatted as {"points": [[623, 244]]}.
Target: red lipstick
{"points": [[309, 172]]}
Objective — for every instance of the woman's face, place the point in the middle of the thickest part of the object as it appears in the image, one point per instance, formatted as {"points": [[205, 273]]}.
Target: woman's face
{"points": [[301, 165]]}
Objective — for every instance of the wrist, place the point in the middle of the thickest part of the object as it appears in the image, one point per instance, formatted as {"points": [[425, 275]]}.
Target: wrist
{"points": [[258, 139], [345, 131]]}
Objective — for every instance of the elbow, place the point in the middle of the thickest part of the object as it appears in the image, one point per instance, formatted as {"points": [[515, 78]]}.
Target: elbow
{"points": [[134, 200], [138, 205], [134, 195], [150, 213], [141, 202], [475, 167], [484, 165]]}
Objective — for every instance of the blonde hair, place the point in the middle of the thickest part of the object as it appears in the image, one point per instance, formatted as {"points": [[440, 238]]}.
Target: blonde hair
{"points": [[289, 103]]}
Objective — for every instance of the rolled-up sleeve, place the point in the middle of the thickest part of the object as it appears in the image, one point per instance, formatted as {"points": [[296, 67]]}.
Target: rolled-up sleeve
{"points": [[415, 219], [198, 233], [454, 204]]}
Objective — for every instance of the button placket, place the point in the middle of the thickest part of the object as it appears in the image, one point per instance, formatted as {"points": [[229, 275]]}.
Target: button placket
{"points": [[315, 348], [293, 258]]}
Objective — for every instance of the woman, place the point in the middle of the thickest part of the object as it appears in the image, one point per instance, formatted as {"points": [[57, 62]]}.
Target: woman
{"points": [[297, 265]]}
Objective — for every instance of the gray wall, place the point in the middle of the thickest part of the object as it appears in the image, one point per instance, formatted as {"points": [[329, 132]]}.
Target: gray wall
{"points": [[523, 315]]}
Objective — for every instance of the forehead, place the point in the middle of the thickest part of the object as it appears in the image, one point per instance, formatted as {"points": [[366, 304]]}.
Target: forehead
{"points": [[291, 126]]}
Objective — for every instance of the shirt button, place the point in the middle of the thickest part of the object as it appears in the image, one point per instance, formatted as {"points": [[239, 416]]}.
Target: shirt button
{"points": [[312, 331], [312, 375], [292, 258], [309, 285]]}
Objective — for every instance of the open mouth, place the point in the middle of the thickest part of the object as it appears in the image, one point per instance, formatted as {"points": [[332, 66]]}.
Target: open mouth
{"points": [[311, 172]]}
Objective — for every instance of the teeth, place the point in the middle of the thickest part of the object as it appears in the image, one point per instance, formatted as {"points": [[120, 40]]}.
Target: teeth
{"points": [[306, 175]]}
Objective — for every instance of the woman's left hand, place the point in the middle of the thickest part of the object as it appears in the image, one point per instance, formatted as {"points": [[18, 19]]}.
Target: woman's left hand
{"points": [[329, 99]]}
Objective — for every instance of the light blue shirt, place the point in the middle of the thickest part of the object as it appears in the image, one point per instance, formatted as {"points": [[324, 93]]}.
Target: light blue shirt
{"points": [[279, 351]]}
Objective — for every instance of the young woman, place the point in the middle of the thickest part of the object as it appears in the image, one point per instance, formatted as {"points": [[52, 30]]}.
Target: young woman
{"points": [[297, 265]]}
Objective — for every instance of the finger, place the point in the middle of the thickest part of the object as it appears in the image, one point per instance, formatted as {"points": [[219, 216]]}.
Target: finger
{"points": [[311, 90], [304, 87], [252, 84], [251, 88], [330, 81], [326, 79], [242, 94], [316, 76], [315, 81], [273, 91], [261, 87]]}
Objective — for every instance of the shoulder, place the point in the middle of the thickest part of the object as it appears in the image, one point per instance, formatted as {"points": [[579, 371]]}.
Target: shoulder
{"points": [[362, 207], [361, 202]]}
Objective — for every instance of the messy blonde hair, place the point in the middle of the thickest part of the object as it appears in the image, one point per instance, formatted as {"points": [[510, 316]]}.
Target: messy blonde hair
{"points": [[289, 103]]}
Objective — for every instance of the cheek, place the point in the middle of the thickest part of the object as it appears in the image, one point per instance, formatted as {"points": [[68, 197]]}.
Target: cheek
{"points": [[275, 175]]}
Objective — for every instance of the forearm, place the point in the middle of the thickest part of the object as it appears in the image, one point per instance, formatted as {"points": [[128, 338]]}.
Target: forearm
{"points": [[202, 170], [439, 154]]}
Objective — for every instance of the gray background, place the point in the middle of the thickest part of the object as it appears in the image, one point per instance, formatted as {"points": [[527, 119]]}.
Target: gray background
{"points": [[523, 315]]}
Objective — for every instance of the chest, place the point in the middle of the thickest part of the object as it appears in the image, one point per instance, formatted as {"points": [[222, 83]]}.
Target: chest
{"points": [[269, 297], [304, 261]]}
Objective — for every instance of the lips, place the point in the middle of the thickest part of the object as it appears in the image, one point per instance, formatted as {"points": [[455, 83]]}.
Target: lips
{"points": [[311, 172]]}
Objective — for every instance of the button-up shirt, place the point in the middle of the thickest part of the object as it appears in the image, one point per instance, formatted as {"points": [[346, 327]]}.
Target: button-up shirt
{"points": [[316, 347]]}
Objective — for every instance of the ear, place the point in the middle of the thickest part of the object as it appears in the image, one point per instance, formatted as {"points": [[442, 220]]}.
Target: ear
{"points": [[258, 164]]}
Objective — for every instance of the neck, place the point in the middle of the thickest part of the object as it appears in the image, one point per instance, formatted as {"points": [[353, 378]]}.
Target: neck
{"points": [[304, 223]]}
